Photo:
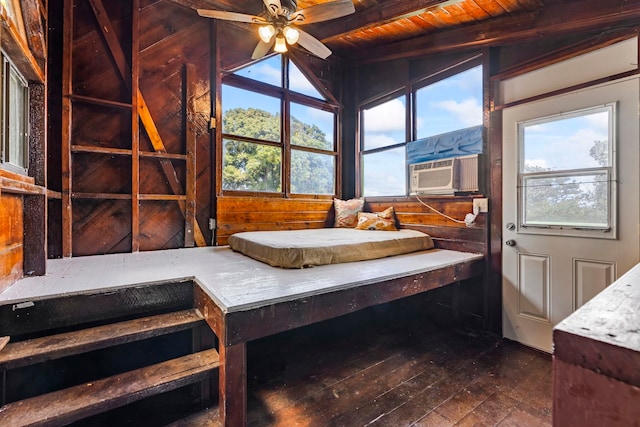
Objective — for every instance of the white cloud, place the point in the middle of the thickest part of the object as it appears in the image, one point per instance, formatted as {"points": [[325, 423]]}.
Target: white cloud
{"points": [[267, 74], [386, 117], [468, 112], [299, 82]]}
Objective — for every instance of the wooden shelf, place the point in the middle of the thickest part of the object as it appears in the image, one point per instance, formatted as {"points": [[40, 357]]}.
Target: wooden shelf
{"points": [[126, 152], [101, 102], [162, 197], [163, 155], [100, 150], [113, 196]]}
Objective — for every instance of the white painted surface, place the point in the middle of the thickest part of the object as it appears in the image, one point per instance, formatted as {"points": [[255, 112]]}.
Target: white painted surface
{"points": [[562, 281], [234, 281], [609, 61]]}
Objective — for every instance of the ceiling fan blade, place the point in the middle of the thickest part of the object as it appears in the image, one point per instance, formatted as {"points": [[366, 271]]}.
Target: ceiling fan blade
{"points": [[313, 45], [273, 6], [262, 49], [231, 16], [323, 12]]}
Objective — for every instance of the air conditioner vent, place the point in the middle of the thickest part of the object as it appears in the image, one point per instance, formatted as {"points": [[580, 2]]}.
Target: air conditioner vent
{"points": [[446, 176]]}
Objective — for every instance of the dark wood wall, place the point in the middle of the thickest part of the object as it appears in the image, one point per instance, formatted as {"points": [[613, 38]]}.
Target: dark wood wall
{"points": [[134, 166]]}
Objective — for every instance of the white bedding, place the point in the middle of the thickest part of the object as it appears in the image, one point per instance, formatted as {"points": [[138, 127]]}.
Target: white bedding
{"points": [[305, 248]]}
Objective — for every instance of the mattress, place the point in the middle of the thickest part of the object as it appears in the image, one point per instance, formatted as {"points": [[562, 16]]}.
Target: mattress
{"points": [[306, 248]]}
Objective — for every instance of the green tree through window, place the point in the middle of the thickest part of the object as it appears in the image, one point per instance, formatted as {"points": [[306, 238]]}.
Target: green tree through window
{"points": [[255, 145]]}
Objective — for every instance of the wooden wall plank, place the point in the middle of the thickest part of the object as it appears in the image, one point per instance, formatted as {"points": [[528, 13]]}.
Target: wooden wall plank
{"points": [[11, 239]]}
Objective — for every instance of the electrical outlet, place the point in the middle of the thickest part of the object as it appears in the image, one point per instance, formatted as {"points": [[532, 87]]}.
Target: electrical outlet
{"points": [[481, 205]]}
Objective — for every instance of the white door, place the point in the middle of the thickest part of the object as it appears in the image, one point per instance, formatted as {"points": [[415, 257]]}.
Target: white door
{"points": [[570, 204]]}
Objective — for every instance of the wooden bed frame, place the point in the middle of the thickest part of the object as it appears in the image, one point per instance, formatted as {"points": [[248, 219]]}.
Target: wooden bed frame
{"points": [[243, 299]]}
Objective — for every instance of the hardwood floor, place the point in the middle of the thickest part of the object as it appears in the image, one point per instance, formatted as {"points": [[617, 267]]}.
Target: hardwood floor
{"points": [[393, 366]]}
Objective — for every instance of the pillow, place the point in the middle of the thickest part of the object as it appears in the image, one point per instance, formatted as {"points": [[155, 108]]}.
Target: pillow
{"points": [[347, 212], [384, 221]]}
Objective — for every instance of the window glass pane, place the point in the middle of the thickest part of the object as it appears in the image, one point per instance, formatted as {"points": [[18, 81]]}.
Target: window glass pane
{"points": [[261, 120], [251, 167], [385, 124], [567, 142], [268, 70], [567, 200], [450, 104], [298, 82], [311, 127], [384, 173], [312, 173], [17, 110]]}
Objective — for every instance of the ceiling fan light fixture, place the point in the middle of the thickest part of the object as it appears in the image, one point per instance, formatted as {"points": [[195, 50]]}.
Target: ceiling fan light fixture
{"points": [[281, 44], [266, 32], [291, 34]]}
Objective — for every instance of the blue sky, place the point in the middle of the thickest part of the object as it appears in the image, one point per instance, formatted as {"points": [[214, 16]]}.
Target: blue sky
{"points": [[563, 142]]}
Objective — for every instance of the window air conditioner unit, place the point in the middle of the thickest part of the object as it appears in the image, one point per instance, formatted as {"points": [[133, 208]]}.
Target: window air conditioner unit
{"points": [[446, 176]]}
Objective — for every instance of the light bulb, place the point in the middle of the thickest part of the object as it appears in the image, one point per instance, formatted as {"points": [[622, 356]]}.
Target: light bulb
{"points": [[281, 45], [266, 32], [291, 34]]}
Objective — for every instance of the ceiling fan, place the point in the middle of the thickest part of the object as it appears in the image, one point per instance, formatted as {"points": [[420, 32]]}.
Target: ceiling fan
{"points": [[278, 24]]}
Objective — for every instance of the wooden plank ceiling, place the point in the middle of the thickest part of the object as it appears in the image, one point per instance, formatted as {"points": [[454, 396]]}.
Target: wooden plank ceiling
{"points": [[377, 26], [378, 22]]}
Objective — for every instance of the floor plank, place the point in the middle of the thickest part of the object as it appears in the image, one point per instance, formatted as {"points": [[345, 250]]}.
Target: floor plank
{"points": [[395, 365]]}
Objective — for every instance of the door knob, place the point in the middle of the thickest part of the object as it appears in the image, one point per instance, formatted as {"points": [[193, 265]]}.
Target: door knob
{"points": [[510, 242]]}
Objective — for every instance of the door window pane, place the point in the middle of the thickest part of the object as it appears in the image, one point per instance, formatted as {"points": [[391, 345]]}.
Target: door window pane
{"points": [[312, 127], [251, 167], [566, 170], [567, 200], [384, 173], [312, 173], [567, 142]]}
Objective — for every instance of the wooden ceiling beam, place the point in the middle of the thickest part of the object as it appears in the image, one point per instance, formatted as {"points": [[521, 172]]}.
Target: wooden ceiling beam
{"points": [[555, 19], [393, 10]]}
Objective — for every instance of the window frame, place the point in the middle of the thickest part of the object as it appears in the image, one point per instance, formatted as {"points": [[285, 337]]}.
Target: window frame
{"points": [[409, 90], [607, 232], [7, 111], [286, 97]]}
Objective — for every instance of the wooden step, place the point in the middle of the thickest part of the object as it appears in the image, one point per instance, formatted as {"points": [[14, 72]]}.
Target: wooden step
{"points": [[38, 350], [75, 403]]}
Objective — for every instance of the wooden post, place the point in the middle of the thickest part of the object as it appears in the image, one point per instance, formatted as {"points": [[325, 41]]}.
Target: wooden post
{"points": [[233, 384], [67, 91], [135, 129], [190, 204]]}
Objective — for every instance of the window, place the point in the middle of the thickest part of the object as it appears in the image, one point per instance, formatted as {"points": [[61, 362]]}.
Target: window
{"points": [[384, 128], [14, 107], [449, 104], [278, 131], [566, 171], [444, 120]]}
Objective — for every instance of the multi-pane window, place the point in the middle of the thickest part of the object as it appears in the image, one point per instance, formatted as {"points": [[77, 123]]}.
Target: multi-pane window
{"points": [[566, 171], [445, 107], [278, 131], [14, 111]]}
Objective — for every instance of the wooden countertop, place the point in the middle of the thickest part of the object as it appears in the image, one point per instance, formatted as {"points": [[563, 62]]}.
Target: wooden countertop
{"points": [[604, 334]]}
